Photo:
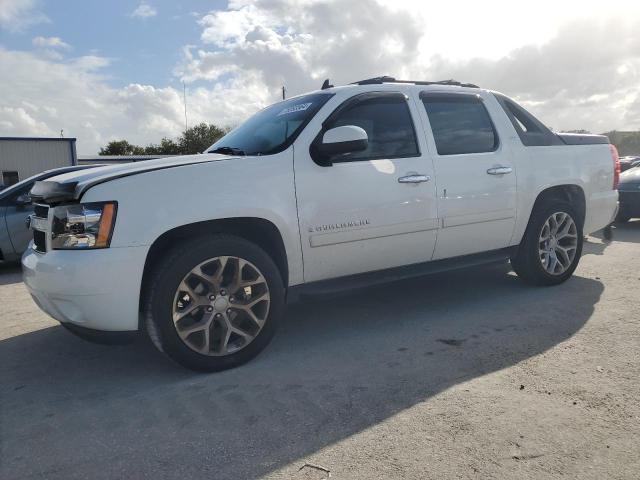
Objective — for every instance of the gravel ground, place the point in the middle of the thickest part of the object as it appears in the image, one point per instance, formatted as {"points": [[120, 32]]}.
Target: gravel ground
{"points": [[461, 375]]}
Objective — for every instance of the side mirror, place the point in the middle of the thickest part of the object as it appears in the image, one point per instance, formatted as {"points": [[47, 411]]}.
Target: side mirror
{"points": [[22, 200], [341, 140]]}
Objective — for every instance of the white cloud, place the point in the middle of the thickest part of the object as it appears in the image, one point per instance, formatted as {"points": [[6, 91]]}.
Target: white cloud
{"points": [[42, 96], [17, 121], [300, 42], [50, 42], [16, 15], [573, 80], [580, 73], [144, 10], [576, 70]]}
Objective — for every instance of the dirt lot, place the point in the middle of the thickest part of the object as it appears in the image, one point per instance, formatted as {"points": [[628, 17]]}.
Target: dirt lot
{"points": [[461, 375]]}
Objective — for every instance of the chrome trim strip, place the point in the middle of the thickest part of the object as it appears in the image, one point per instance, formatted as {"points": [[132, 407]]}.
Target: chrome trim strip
{"points": [[367, 233]]}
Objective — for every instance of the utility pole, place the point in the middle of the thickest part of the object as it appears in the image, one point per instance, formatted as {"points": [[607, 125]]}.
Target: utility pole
{"points": [[184, 96], [284, 91], [186, 123]]}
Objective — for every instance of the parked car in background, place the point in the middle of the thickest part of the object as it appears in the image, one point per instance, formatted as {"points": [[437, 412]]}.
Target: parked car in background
{"points": [[628, 162], [325, 191], [629, 195], [15, 208]]}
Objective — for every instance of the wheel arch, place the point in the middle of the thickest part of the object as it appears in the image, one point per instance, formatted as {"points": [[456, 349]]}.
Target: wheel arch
{"points": [[570, 192], [254, 229]]}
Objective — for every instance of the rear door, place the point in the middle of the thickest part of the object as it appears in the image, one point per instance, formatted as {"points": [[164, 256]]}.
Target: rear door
{"points": [[369, 210], [476, 178]]}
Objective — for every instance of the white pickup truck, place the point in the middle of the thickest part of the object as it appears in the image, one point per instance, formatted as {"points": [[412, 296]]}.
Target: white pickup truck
{"points": [[333, 189]]}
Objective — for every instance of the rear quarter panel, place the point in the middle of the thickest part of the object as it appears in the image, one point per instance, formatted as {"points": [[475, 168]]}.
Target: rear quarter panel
{"points": [[588, 166]]}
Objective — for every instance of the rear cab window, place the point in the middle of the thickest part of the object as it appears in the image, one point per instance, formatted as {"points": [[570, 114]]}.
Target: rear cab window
{"points": [[531, 131], [460, 123]]}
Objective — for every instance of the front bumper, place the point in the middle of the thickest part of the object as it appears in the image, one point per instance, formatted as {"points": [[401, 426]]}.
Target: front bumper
{"points": [[94, 289]]}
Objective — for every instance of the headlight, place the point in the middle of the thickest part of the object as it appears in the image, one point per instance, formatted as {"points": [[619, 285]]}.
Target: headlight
{"points": [[83, 225]]}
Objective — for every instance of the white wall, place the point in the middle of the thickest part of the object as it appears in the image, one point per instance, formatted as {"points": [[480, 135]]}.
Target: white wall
{"points": [[31, 156]]}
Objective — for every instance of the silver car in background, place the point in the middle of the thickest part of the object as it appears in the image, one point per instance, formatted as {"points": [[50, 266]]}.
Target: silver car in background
{"points": [[15, 209]]}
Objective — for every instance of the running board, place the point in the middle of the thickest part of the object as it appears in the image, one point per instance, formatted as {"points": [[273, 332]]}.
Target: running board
{"points": [[378, 277]]}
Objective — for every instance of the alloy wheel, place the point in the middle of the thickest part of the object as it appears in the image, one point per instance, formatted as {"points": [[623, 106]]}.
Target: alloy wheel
{"points": [[221, 306], [558, 243]]}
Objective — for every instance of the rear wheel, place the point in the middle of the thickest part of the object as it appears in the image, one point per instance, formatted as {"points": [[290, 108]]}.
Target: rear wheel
{"points": [[214, 303], [552, 245]]}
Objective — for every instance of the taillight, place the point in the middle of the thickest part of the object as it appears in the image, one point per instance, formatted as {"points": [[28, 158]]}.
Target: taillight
{"points": [[616, 165]]}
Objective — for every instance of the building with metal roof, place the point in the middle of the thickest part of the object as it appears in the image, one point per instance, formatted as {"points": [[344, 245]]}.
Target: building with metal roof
{"points": [[23, 157]]}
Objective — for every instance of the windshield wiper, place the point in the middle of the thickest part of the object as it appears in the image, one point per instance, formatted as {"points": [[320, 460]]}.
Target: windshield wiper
{"points": [[227, 151]]}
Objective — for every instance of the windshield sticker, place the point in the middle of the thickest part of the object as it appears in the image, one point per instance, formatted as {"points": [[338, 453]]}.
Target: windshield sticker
{"points": [[295, 108]]}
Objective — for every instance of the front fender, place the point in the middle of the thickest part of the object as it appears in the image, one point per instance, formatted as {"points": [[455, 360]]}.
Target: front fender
{"points": [[155, 202]]}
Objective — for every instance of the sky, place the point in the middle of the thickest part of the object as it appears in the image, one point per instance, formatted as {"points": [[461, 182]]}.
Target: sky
{"points": [[102, 71]]}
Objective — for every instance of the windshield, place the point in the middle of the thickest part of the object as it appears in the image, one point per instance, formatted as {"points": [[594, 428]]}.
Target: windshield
{"points": [[273, 129]]}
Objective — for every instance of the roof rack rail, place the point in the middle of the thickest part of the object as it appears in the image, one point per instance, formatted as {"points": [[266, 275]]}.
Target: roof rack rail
{"points": [[387, 79]]}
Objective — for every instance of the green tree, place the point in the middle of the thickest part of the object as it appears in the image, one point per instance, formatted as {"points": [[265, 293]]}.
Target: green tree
{"points": [[166, 147], [121, 147], [199, 137], [627, 143], [195, 140]]}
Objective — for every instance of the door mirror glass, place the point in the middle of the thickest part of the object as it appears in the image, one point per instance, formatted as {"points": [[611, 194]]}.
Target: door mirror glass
{"points": [[345, 139], [24, 199]]}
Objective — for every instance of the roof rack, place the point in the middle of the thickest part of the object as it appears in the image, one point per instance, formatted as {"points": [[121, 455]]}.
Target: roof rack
{"points": [[387, 79]]}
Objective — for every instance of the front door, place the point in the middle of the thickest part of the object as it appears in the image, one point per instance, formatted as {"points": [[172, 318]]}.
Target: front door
{"points": [[475, 174], [372, 209], [16, 221]]}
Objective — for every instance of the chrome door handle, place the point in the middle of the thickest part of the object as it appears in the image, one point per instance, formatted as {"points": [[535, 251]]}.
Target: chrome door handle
{"points": [[415, 178], [499, 170]]}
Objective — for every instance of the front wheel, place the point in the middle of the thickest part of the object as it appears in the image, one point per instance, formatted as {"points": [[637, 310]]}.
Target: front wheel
{"points": [[552, 245], [214, 303]]}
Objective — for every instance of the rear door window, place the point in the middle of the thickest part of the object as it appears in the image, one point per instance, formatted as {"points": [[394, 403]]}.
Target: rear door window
{"points": [[460, 123]]}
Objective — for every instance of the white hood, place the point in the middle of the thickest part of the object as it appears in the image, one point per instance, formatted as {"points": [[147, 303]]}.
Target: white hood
{"points": [[81, 180]]}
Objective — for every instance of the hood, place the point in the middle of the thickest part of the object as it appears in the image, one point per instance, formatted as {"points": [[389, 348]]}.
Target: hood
{"points": [[71, 186]]}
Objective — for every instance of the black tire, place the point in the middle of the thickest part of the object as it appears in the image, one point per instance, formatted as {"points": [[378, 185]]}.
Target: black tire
{"points": [[164, 282], [526, 262]]}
